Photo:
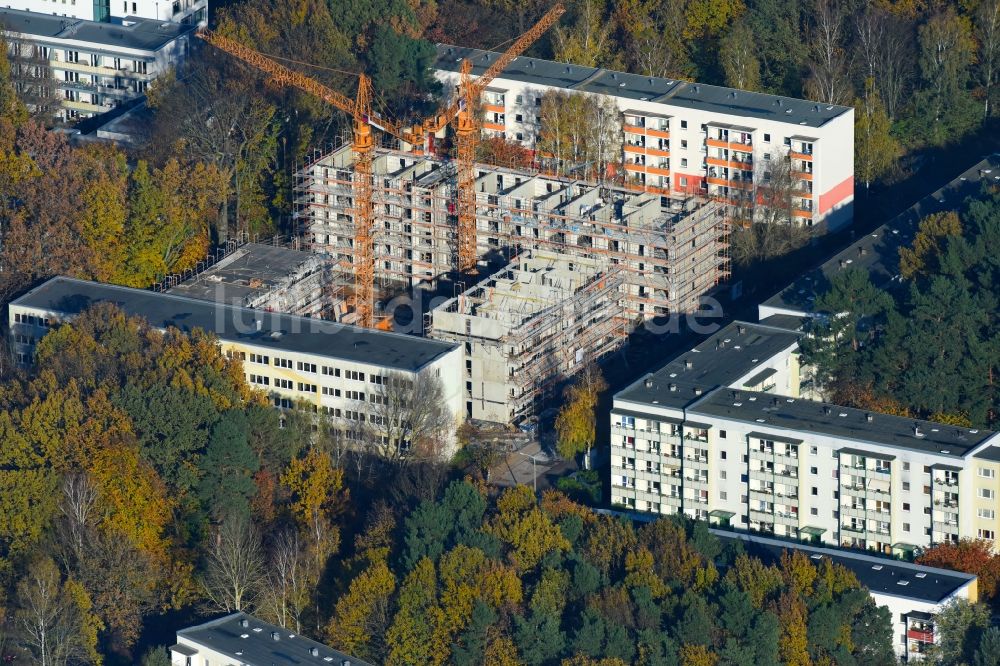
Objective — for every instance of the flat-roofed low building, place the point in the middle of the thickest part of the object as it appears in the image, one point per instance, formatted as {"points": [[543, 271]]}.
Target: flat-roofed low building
{"points": [[266, 277], [242, 639], [336, 369]]}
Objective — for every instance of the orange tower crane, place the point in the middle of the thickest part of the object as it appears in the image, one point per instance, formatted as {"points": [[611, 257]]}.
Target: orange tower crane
{"points": [[467, 132], [363, 145]]}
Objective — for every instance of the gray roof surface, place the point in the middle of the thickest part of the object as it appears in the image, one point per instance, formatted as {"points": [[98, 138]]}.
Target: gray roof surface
{"points": [[231, 278], [142, 34], [878, 252], [935, 586], [295, 334], [766, 410], [711, 365], [226, 635], [991, 453], [671, 92]]}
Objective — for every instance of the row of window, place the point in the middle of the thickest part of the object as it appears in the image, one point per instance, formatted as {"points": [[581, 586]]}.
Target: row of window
{"points": [[302, 366], [32, 320]]}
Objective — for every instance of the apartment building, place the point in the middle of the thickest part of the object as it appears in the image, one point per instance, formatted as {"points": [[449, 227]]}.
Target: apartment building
{"points": [[671, 252], [239, 638], [76, 68], [913, 594], [720, 434], [528, 327], [193, 12], [877, 252], [683, 138], [334, 369]]}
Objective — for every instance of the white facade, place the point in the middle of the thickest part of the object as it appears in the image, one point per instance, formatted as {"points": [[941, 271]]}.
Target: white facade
{"points": [[89, 67], [686, 138], [177, 11], [335, 370]]}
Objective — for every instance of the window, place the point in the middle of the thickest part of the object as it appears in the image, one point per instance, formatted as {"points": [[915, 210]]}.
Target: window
{"points": [[722, 454], [684, 143], [906, 527], [906, 485], [987, 493], [814, 511], [282, 363], [927, 469], [722, 495], [788, 141], [260, 380], [813, 470], [927, 490], [987, 534], [987, 514], [306, 367], [683, 181], [906, 506], [987, 472], [722, 435], [813, 450], [684, 162], [518, 117], [906, 467], [722, 474], [307, 388], [355, 375], [283, 383], [538, 101], [684, 124], [355, 395], [331, 391], [767, 138], [815, 490], [257, 358]]}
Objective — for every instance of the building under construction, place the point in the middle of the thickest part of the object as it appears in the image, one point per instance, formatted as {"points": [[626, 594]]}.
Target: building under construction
{"points": [[267, 277], [532, 324], [670, 251]]}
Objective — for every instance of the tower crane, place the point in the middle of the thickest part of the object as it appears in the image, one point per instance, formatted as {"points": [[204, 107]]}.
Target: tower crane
{"points": [[461, 110], [363, 145], [467, 132]]}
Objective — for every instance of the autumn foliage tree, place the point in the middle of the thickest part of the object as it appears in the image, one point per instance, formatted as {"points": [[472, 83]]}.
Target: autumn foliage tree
{"points": [[973, 556]]}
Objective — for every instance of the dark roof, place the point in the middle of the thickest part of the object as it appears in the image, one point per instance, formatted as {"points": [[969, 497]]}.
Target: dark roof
{"points": [[254, 644], [934, 586], [142, 34], [670, 92], [878, 252], [718, 361], [278, 332], [263, 266], [791, 322], [991, 453], [795, 415]]}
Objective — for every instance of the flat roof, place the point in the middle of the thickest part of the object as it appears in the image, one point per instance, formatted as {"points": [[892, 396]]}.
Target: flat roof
{"points": [[278, 332], [255, 645], [131, 33], [880, 575], [719, 360], [671, 92], [764, 410], [878, 252], [250, 270]]}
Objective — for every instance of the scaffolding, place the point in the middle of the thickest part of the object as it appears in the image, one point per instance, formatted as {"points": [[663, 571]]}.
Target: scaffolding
{"points": [[671, 252], [529, 327]]}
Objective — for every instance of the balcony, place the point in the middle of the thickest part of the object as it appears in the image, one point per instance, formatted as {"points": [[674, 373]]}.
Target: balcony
{"points": [[920, 635], [635, 149], [495, 108], [800, 156]]}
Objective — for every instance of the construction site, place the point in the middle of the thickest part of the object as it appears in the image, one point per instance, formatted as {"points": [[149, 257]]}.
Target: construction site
{"points": [[581, 262], [532, 324], [670, 251]]}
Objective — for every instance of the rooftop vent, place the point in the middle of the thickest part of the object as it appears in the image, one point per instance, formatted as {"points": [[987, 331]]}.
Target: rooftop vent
{"points": [[697, 391], [916, 430], [314, 651], [275, 636], [946, 451], [688, 364], [740, 330], [827, 410], [921, 575], [673, 388], [869, 417], [244, 635], [649, 382], [877, 567], [244, 623], [904, 583], [259, 325]]}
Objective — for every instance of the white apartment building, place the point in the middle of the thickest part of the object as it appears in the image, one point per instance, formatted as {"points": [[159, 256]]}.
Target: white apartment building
{"points": [[720, 434], [193, 12], [85, 68], [685, 138], [242, 639], [335, 369]]}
